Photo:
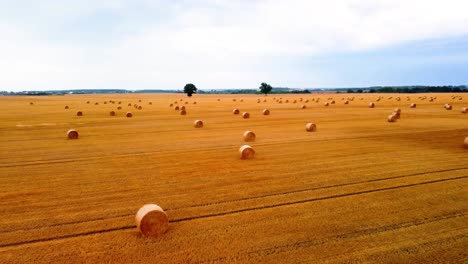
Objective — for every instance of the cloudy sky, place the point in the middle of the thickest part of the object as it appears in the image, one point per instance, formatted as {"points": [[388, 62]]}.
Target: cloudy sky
{"points": [[151, 44]]}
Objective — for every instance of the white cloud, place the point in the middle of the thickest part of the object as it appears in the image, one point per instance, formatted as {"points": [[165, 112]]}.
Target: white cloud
{"points": [[163, 44]]}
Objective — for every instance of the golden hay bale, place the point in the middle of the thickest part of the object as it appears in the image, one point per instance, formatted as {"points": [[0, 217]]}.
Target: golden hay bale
{"points": [[396, 114], [466, 142], [346, 102], [139, 100], [171, 105], [119, 108], [139, 107], [287, 101], [150, 103], [79, 113], [194, 102], [303, 107], [96, 103], [295, 101], [198, 124], [66, 107], [105, 102], [186, 102], [326, 104], [120, 102], [88, 102], [233, 99], [72, 134], [332, 102], [266, 112], [177, 107], [413, 105], [182, 108], [183, 112], [246, 152], [392, 118], [311, 127], [245, 115], [129, 114], [448, 106], [306, 101], [249, 136], [265, 101], [398, 110], [464, 110], [112, 113], [129, 104], [235, 111], [242, 100], [371, 105], [181, 100], [151, 220], [31, 103]]}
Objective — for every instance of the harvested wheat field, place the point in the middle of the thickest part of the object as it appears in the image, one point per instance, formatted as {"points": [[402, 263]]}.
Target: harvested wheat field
{"points": [[359, 189]]}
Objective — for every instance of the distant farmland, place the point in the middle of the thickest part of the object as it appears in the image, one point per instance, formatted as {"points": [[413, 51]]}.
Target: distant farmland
{"points": [[357, 189]]}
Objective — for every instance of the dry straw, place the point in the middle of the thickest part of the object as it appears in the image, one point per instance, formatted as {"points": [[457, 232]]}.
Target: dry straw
{"points": [[246, 152], [235, 111], [249, 136], [72, 134], [245, 115], [266, 112], [198, 124], [311, 127], [129, 114], [151, 220]]}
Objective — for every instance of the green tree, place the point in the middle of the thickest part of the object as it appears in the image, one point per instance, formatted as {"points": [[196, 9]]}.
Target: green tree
{"points": [[265, 88], [190, 89]]}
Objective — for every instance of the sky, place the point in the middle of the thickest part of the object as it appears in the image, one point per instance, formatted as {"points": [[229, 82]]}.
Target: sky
{"points": [[216, 44]]}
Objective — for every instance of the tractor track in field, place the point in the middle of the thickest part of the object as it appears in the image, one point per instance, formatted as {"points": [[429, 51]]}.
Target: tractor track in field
{"points": [[248, 198], [185, 150], [127, 227], [350, 235]]}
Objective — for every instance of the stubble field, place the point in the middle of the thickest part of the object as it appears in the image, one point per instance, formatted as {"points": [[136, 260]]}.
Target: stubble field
{"points": [[359, 189]]}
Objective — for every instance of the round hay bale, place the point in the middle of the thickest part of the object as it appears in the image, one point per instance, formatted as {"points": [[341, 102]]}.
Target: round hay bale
{"points": [[448, 106], [245, 115], [176, 108], [198, 124], [183, 112], [392, 118], [371, 105], [112, 113], [139, 107], [151, 220], [326, 104], [303, 107], [464, 110], [66, 107], [139, 100], [182, 108], [181, 100], [346, 102], [96, 103], [242, 100], [266, 112], [119, 108], [396, 114], [332, 102], [398, 110], [235, 111], [171, 105], [79, 113], [413, 105], [466, 142], [88, 102], [186, 102], [31, 103], [105, 102], [129, 114], [246, 152], [72, 134], [194, 102], [311, 127], [120, 102], [249, 136], [150, 103], [129, 104]]}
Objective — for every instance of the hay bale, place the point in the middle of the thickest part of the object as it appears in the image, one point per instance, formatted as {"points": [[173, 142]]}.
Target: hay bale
{"points": [[96, 103], [448, 106], [79, 113], [129, 114], [119, 108], [194, 102], [332, 102], [151, 220], [129, 104], [249, 136], [198, 124], [66, 107], [88, 102], [303, 107], [326, 104], [464, 110], [150, 103], [235, 111], [398, 110], [183, 112], [176, 108], [105, 102], [171, 105], [139, 107], [371, 105], [466, 142], [413, 105], [31, 103], [245, 115], [139, 100], [266, 112], [186, 102], [346, 102], [246, 152], [311, 127], [72, 134], [112, 113], [120, 102], [392, 118], [182, 108], [397, 114]]}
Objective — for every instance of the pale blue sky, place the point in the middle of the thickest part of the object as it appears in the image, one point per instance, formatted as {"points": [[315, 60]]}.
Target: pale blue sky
{"points": [[144, 44]]}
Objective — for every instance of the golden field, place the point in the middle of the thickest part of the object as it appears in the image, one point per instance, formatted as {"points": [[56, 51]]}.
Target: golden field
{"points": [[359, 189]]}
